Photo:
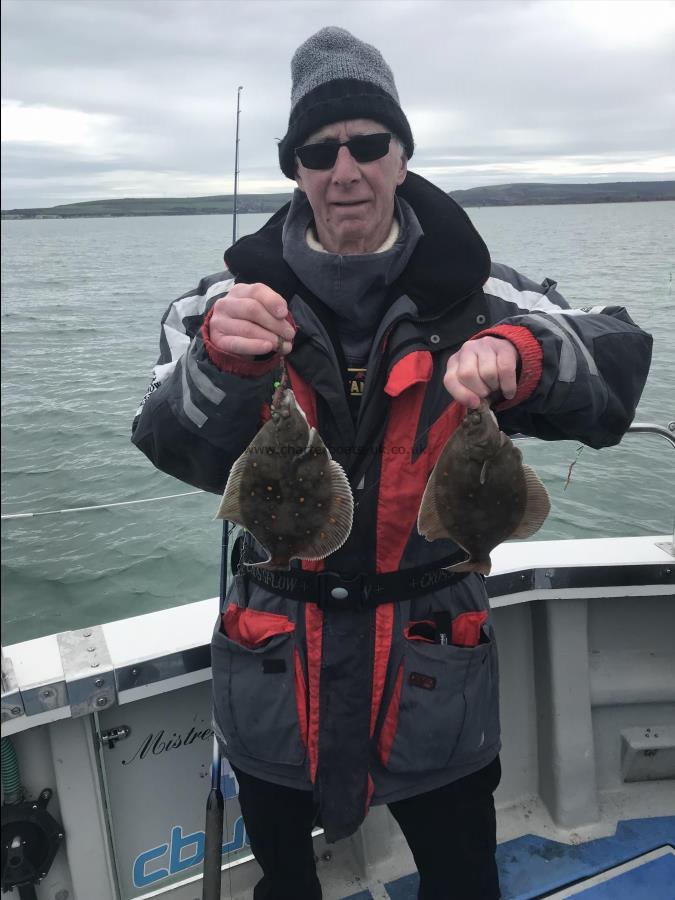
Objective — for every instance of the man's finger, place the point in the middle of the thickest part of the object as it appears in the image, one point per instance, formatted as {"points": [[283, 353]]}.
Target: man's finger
{"points": [[242, 346], [250, 309], [456, 389], [488, 369], [246, 346], [469, 376], [227, 333], [507, 363], [274, 303], [243, 328], [465, 397]]}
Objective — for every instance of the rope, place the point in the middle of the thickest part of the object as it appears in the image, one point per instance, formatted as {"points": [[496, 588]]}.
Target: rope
{"points": [[54, 512]]}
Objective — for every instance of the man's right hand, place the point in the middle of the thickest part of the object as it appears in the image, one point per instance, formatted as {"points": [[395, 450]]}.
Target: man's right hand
{"points": [[251, 321]]}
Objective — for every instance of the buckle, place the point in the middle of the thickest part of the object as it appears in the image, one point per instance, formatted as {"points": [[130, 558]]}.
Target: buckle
{"points": [[339, 593]]}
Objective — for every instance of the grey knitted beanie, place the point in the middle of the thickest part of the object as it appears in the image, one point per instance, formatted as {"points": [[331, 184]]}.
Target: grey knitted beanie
{"points": [[337, 77]]}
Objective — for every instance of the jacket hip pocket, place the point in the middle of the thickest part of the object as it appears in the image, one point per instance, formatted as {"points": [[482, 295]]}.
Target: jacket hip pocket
{"points": [[441, 706], [255, 683]]}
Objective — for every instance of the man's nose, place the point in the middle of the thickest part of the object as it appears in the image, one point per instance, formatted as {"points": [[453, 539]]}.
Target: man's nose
{"points": [[346, 168]]}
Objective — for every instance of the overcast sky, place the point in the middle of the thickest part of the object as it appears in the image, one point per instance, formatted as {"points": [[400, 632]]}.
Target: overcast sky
{"points": [[109, 98]]}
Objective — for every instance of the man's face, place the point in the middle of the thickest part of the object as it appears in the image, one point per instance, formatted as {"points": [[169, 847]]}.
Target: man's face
{"points": [[353, 202]]}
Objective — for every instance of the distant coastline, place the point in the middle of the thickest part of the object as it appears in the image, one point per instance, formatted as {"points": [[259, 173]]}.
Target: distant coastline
{"points": [[533, 194]]}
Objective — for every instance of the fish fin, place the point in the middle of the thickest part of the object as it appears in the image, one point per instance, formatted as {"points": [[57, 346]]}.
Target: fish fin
{"points": [[429, 522], [338, 523], [483, 472], [230, 504], [537, 507], [483, 566]]}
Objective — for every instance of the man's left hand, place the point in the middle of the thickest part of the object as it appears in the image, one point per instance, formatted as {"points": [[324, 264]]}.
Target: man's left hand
{"points": [[482, 367]]}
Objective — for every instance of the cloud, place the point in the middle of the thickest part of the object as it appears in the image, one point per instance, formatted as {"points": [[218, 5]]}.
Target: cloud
{"points": [[632, 24], [83, 133], [137, 97]]}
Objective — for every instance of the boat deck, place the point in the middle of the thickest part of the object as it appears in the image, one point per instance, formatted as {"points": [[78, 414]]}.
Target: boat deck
{"points": [[115, 719], [637, 862]]}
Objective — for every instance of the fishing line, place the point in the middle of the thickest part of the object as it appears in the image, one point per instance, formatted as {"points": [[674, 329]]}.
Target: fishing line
{"points": [[72, 509], [572, 465]]}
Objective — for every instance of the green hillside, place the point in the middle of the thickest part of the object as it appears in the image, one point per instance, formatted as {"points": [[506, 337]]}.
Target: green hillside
{"points": [[495, 195]]}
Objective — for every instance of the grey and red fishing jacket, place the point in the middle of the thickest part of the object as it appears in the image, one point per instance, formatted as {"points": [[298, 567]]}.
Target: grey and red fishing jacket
{"points": [[362, 704]]}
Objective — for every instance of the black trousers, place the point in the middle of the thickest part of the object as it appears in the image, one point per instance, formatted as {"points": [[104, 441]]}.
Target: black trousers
{"points": [[451, 832]]}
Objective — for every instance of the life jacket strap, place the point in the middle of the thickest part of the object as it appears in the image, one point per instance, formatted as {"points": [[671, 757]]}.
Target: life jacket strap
{"points": [[331, 590]]}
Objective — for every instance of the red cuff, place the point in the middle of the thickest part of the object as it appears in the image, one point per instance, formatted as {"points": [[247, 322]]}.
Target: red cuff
{"points": [[230, 362], [531, 359]]}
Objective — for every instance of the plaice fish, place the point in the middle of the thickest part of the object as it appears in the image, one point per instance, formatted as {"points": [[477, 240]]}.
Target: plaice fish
{"points": [[480, 492], [287, 491]]}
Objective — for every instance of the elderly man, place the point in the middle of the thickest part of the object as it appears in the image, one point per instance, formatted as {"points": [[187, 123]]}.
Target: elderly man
{"points": [[332, 689]]}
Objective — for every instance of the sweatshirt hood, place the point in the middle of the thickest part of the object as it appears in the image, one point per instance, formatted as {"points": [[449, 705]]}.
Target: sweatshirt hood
{"points": [[450, 261]]}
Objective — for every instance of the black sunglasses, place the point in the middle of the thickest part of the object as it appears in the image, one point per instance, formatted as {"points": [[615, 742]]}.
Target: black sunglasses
{"points": [[364, 148]]}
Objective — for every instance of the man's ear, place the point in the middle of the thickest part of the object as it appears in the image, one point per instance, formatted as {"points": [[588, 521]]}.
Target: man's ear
{"points": [[298, 177], [403, 171]]}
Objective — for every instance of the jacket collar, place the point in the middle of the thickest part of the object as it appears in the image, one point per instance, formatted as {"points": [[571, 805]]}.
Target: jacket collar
{"points": [[450, 261]]}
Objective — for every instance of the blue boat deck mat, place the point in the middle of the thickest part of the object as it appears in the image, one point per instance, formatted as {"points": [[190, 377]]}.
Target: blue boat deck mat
{"points": [[651, 880], [404, 888], [532, 867]]}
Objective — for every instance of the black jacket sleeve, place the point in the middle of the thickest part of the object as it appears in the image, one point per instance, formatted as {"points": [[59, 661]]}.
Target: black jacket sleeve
{"points": [[196, 420], [594, 362]]}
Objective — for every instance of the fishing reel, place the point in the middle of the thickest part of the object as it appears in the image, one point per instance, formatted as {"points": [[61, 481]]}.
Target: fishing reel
{"points": [[31, 838]]}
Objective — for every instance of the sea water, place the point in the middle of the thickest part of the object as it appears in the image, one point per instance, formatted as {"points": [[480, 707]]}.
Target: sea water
{"points": [[82, 303]]}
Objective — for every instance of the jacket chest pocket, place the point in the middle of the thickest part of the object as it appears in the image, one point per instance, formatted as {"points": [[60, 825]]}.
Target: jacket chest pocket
{"points": [[258, 691], [443, 708]]}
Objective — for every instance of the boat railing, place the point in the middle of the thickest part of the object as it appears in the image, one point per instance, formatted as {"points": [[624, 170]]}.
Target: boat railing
{"points": [[647, 428], [667, 432], [13, 700]]}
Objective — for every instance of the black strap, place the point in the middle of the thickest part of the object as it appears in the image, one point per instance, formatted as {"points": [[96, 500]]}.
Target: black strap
{"points": [[335, 591]]}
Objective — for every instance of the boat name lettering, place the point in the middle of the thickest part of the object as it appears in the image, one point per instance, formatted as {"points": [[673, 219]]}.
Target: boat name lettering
{"points": [[157, 743]]}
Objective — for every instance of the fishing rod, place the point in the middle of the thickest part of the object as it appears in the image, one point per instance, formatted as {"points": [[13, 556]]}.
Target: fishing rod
{"points": [[215, 804], [236, 171]]}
